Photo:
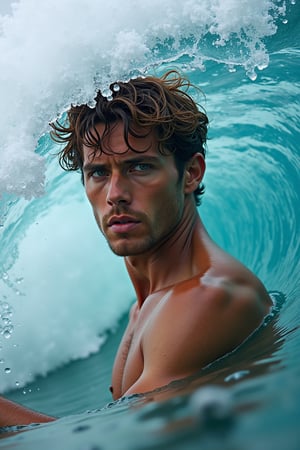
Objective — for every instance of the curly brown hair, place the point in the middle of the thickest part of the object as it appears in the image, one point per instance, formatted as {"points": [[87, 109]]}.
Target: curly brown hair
{"points": [[159, 104]]}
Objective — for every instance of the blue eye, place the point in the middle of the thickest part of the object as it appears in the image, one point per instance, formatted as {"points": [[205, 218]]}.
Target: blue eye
{"points": [[141, 167], [98, 173]]}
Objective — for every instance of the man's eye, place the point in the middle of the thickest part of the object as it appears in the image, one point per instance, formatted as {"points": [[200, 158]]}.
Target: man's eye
{"points": [[98, 173], [142, 167]]}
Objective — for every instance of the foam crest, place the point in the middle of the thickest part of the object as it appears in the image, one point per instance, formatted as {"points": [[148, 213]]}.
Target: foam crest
{"points": [[58, 298], [61, 52]]}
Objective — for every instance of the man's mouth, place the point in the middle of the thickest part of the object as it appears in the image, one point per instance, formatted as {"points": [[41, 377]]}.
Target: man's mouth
{"points": [[122, 224]]}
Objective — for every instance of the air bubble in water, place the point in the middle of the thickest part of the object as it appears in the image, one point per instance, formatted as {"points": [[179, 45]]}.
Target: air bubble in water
{"points": [[211, 404], [237, 375], [252, 75], [7, 332], [231, 68], [7, 370]]}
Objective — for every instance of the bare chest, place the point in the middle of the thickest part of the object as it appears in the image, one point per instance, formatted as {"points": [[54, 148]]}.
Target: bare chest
{"points": [[129, 362]]}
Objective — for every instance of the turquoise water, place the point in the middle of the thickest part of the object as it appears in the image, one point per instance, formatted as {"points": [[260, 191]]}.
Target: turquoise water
{"points": [[64, 298]]}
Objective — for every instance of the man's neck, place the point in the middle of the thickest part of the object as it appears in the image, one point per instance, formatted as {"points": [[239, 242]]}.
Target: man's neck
{"points": [[180, 257]]}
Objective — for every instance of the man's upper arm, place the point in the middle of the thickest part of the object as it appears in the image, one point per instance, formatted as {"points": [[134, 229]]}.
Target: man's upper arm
{"points": [[189, 333]]}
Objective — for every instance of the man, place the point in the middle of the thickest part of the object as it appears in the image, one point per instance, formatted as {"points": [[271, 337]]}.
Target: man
{"points": [[142, 158]]}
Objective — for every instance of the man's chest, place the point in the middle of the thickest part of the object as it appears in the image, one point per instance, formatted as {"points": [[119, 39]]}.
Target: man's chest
{"points": [[129, 361]]}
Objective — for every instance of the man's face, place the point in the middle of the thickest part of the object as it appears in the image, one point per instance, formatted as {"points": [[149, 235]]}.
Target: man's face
{"points": [[136, 197]]}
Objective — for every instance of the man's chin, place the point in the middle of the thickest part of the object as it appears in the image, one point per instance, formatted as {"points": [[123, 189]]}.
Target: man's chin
{"points": [[124, 249]]}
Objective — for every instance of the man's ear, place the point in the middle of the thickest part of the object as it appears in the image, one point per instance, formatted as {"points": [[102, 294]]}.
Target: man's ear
{"points": [[194, 173]]}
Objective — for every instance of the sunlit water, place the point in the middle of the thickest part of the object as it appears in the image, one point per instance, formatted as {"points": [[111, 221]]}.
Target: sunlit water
{"points": [[64, 297]]}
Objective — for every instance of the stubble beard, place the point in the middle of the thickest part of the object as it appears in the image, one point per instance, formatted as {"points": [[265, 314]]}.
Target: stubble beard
{"points": [[129, 248]]}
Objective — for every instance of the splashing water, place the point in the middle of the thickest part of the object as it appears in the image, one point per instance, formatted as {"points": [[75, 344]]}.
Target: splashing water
{"points": [[72, 48]]}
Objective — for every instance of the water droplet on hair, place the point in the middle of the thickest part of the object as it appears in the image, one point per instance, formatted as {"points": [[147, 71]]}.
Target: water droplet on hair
{"points": [[116, 87]]}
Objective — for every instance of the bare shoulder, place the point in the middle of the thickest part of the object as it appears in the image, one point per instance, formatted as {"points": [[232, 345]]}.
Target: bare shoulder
{"points": [[204, 318], [235, 294], [195, 322]]}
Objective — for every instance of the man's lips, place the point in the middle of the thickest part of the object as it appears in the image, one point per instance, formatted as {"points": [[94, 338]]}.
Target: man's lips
{"points": [[122, 223]]}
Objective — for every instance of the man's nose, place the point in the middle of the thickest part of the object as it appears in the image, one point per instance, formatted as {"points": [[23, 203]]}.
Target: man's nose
{"points": [[118, 190]]}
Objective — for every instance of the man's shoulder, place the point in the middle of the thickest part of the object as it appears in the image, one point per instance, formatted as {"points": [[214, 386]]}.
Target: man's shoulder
{"points": [[202, 319], [221, 294]]}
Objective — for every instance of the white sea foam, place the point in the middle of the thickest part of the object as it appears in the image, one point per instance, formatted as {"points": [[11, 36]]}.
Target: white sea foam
{"points": [[62, 290], [59, 52]]}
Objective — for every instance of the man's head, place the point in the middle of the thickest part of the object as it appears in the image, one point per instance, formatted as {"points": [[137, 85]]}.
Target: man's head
{"points": [[159, 105]]}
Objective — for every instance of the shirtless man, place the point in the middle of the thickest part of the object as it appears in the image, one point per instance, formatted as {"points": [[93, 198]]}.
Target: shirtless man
{"points": [[142, 158]]}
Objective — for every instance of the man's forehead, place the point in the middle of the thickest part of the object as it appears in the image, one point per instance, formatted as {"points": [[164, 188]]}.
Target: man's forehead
{"points": [[97, 157], [113, 143]]}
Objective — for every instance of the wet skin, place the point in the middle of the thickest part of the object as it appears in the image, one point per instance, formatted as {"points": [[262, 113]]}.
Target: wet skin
{"points": [[194, 302]]}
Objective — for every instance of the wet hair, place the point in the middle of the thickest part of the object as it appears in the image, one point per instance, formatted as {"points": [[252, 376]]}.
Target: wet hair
{"points": [[154, 104]]}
